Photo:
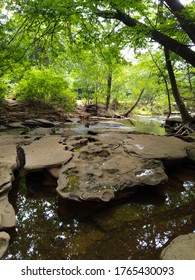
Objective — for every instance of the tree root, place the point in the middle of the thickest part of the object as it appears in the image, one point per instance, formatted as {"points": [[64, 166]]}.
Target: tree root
{"points": [[180, 130]]}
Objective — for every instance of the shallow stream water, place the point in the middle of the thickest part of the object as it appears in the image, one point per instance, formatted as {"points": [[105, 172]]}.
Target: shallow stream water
{"points": [[138, 123], [139, 226]]}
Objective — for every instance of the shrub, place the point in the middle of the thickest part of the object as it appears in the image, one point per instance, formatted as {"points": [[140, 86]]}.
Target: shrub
{"points": [[3, 90], [45, 86]]}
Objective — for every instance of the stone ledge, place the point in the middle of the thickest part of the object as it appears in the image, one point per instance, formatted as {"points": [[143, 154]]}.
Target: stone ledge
{"points": [[180, 248]]}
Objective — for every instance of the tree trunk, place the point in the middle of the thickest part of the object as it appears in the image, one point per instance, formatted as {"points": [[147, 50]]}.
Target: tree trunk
{"points": [[131, 109], [180, 49], [189, 80], [183, 17], [186, 117], [109, 87], [166, 83]]}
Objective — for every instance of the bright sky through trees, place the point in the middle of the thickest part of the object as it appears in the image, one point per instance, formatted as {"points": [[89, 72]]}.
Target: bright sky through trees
{"points": [[185, 1]]}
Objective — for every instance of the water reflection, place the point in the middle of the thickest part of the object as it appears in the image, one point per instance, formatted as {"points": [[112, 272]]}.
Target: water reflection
{"points": [[138, 123], [139, 227], [189, 185], [147, 124]]}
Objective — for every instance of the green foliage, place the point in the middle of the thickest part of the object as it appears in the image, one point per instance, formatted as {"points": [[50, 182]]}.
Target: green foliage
{"points": [[70, 37], [3, 90], [45, 85]]}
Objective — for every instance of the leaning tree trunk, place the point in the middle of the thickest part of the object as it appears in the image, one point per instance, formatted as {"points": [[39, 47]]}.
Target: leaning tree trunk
{"points": [[190, 80], [186, 117], [135, 104], [186, 21]]}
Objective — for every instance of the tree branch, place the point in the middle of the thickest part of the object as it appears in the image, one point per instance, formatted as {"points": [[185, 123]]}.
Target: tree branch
{"points": [[183, 17], [180, 49]]}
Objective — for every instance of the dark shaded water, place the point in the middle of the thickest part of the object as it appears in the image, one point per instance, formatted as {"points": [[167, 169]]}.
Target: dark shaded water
{"points": [[139, 227]]}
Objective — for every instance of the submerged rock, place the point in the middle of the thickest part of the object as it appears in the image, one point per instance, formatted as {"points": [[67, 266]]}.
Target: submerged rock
{"points": [[113, 217], [180, 248]]}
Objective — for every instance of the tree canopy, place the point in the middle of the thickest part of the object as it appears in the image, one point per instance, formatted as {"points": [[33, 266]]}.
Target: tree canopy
{"points": [[85, 39], [131, 22]]}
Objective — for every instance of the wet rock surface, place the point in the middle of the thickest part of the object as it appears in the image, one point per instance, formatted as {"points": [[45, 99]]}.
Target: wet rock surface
{"points": [[180, 248]]}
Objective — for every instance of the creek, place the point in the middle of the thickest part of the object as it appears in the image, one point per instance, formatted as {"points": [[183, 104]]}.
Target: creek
{"points": [[139, 226]]}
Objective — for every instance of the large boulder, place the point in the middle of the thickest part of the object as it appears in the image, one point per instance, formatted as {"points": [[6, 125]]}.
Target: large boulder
{"points": [[112, 164], [180, 248], [103, 168]]}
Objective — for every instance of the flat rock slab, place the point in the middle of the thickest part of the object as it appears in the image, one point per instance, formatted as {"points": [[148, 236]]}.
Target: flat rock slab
{"points": [[42, 131], [47, 152], [38, 122], [4, 243], [180, 248], [103, 168], [16, 125], [157, 147], [8, 139], [8, 156]]}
